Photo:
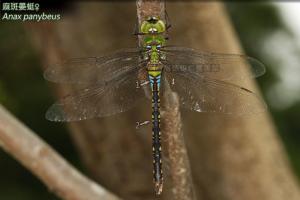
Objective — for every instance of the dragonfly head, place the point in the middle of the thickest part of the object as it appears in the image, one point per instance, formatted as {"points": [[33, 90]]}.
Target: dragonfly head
{"points": [[153, 25]]}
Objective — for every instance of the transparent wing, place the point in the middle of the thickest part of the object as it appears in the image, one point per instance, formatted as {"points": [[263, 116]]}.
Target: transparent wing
{"points": [[224, 67], [208, 95], [94, 69], [99, 100]]}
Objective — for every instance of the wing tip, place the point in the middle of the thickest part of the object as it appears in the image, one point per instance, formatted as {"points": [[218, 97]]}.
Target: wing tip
{"points": [[55, 114]]}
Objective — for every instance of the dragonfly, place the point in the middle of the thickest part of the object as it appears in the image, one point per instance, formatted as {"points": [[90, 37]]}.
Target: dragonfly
{"points": [[114, 83]]}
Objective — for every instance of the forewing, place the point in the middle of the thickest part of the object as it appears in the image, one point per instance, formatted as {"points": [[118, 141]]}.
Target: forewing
{"points": [[99, 100], [225, 67], [94, 69]]}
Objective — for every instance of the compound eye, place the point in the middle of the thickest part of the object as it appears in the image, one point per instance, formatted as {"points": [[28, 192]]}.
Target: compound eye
{"points": [[148, 47], [158, 47]]}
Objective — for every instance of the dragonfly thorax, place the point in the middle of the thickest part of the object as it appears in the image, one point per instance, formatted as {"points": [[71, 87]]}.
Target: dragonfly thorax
{"points": [[153, 29], [153, 55], [154, 40], [154, 67]]}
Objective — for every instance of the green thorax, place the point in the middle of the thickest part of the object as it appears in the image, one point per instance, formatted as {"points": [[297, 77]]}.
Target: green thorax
{"points": [[153, 28]]}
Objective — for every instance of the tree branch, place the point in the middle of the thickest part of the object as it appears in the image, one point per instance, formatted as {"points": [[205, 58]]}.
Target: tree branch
{"points": [[37, 156], [172, 134], [177, 156]]}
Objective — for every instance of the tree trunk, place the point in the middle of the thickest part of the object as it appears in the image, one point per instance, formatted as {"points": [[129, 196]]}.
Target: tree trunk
{"points": [[231, 157]]}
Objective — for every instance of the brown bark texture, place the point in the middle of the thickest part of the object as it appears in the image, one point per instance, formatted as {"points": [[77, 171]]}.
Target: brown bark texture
{"points": [[230, 157]]}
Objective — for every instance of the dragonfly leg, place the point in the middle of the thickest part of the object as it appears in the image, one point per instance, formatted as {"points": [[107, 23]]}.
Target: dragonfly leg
{"points": [[144, 83], [137, 85], [135, 30], [141, 83], [139, 124], [168, 21]]}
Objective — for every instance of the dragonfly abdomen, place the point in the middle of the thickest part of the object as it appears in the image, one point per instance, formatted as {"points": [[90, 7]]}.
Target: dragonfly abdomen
{"points": [[156, 143]]}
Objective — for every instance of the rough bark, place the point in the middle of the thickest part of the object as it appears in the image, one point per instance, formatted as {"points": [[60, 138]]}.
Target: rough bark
{"points": [[231, 157]]}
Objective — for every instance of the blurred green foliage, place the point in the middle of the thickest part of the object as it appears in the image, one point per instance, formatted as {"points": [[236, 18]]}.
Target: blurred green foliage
{"points": [[24, 92], [254, 23]]}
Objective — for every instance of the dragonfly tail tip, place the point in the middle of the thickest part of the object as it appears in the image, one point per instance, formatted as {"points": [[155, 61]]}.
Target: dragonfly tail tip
{"points": [[158, 187]]}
